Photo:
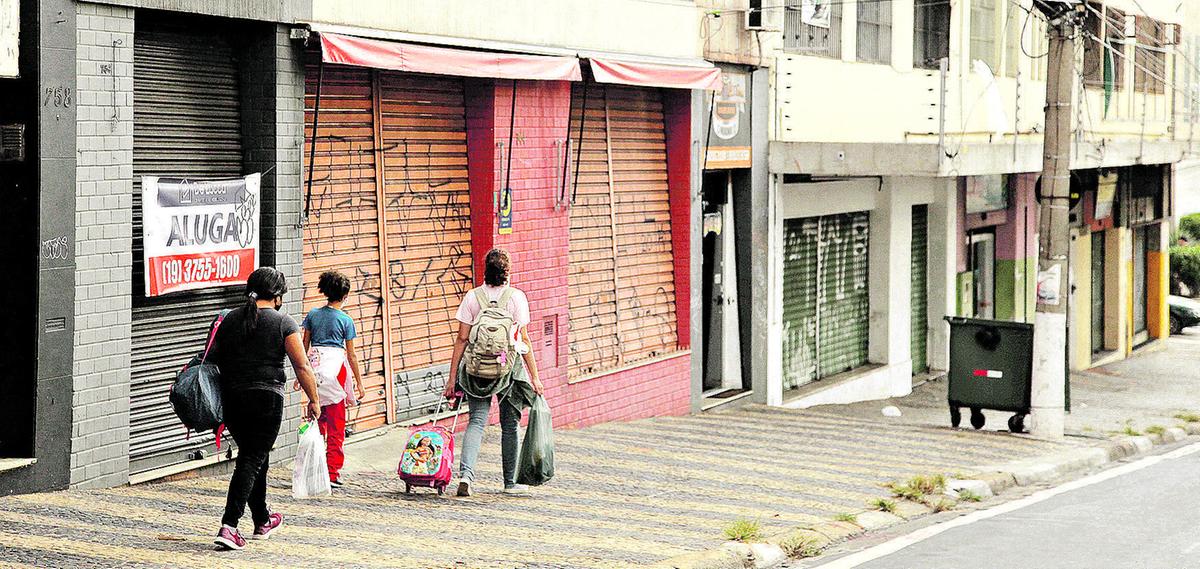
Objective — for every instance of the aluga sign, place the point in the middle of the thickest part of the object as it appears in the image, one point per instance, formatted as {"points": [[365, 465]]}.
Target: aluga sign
{"points": [[199, 234]]}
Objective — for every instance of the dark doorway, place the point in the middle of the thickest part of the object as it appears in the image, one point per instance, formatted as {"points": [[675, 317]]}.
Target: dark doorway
{"points": [[19, 256], [723, 374]]}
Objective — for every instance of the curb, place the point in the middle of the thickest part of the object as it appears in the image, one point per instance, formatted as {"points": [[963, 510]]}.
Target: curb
{"points": [[809, 541]]}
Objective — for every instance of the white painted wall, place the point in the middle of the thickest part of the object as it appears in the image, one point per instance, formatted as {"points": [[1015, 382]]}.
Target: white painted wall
{"points": [[665, 28], [840, 100], [890, 205]]}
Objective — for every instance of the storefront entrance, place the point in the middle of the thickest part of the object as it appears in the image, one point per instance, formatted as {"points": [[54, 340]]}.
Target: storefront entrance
{"points": [[1097, 291], [1141, 333], [722, 353]]}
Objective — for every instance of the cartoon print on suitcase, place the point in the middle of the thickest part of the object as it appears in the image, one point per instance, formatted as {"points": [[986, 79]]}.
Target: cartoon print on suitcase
{"points": [[428, 459]]}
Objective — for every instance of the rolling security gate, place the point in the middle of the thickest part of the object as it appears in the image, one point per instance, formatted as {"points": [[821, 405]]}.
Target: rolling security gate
{"points": [[920, 289], [186, 123], [825, 296], [390, 198], [621, 281]]}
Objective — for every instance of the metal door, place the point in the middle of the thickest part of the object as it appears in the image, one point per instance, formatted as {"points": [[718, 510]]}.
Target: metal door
{"points": [[1097, 292], [843, 321], [800, 270], [825, 296], [428, 221], [186, 123], [391, 168], [1140, 333], [621, 280], [919, 325], [645, 264]]}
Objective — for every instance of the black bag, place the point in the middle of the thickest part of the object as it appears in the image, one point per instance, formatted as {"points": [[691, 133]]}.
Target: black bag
{"points": [[196, 393], [536, 463]]}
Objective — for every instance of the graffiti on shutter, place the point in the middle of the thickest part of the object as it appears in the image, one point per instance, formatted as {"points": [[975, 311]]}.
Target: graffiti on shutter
{"points": [[621, 280], [799, 301]]}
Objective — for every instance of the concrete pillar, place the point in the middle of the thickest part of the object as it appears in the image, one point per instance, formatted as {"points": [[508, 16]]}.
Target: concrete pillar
{"points": [[943, 271], [890, 269], [849, 30], [1081, 300], [774, 296], [1158, 261]]}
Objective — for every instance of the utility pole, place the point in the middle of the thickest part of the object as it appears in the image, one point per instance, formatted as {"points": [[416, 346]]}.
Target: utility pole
{"points": [[1048, 397]]}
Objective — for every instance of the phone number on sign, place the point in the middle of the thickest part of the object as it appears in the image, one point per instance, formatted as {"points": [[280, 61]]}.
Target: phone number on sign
{"points": [[179, 271]]}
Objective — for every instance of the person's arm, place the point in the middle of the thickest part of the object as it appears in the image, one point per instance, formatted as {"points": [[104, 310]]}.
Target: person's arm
{"points": [[352, 357], [460, 346], [531, 364], [294, 345], [307, 340]]}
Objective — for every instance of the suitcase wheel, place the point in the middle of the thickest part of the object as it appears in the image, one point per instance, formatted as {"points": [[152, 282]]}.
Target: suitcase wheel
{"points": [[441, 490], [407, 488]]}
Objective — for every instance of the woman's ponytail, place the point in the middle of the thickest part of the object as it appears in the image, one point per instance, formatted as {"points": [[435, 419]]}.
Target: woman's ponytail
{"points": [[265, 283]]}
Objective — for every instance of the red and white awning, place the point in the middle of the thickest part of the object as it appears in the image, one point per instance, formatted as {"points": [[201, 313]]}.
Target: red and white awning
{"points": [[665, 75], [399, 56]]}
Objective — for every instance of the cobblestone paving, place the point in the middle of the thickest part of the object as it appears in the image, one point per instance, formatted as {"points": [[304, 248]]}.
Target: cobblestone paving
{"points": [[626, 494]]}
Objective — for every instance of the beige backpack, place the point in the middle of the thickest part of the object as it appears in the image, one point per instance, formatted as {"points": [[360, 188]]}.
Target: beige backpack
{"points": [[490, 352]]}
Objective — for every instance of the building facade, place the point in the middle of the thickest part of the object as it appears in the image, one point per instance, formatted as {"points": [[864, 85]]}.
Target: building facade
{"points": [[400, 176], [904, 184]]}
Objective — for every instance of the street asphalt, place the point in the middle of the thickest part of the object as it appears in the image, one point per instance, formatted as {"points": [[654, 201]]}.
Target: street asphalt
{"points": [[1144, 519]]}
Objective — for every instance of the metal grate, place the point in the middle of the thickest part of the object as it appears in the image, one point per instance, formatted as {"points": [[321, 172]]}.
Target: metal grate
{"points": [[807, 39], [875, 32], [931, 33], [12, 143], [919, 325]]}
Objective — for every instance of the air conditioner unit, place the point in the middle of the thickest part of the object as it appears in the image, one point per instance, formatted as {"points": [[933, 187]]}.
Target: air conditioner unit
{"points": [[756, 20]]}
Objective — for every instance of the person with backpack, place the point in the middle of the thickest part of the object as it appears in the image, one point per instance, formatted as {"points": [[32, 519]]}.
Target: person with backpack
{"points": [[492, 358], [329, 341], [250, 347]]}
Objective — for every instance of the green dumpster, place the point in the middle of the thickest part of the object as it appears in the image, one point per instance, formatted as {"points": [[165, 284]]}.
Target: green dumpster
{"points": [[991, 367]]}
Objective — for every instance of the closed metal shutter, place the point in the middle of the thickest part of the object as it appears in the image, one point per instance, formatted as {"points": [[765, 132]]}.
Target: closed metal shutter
{"points": [[391, 158], [645, 266], [427, 202], [799, 301], [621, 280], [842, 330], [342, 232], [825, 296], [920, 289], [1097, 291], [186, 124]]}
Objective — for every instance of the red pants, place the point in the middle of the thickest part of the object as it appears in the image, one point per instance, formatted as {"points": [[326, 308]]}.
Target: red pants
{"points": [[333, 427]]}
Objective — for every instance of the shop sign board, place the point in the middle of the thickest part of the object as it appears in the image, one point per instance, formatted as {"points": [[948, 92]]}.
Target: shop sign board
{"points": [[986, 193], [729, 136], [1106, 192]]}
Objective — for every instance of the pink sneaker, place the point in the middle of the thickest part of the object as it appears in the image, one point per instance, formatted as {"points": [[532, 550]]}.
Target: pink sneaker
{"points": [[229, 538], [264, 531]]}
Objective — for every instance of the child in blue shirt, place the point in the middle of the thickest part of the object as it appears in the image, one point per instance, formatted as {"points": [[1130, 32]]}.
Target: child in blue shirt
{"points": [[329, 340]]}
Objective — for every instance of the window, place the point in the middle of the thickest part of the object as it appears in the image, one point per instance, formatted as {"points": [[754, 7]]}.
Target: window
{"points": [[1104, 63], [813, 27], [875, 31], [1014, 28], [931, 33], [1150, 56], [983, 33], [754, 16]]}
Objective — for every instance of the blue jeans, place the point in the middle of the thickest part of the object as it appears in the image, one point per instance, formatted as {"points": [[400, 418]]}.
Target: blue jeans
{"points": [[510, 420]]}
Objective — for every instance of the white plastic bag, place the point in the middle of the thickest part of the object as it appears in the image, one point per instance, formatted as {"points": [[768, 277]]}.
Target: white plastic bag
{"points": [[311, 475]]}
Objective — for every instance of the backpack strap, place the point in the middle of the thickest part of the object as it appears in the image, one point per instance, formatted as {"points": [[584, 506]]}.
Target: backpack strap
{"points": [[504, 298], [482, 297], [212, 335]]}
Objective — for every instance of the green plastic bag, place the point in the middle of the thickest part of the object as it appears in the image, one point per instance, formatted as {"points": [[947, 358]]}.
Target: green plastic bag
{"points": [[536, 465]]}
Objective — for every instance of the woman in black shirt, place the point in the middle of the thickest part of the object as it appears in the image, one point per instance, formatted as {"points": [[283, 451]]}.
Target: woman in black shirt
{"points": [[250, 348]]}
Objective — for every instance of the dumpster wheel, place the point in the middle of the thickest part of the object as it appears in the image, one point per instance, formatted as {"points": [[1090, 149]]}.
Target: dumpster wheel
{"points": [[1016, 423], [977, 418]]}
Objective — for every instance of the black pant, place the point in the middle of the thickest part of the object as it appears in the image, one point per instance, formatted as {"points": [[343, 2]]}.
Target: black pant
{"points": [[253, 418]]}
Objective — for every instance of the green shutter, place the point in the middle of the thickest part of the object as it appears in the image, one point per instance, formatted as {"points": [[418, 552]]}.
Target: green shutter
{"points": [[843, 328], [825, 266], [919, 344], [799, 302]]}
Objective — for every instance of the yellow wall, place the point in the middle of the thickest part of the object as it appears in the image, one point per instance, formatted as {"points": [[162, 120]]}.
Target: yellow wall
{"points": [[1158, 284], [1118, 301], [667, 28]]}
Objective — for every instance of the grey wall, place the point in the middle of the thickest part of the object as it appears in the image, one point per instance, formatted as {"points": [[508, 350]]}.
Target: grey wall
{"points": [[272, 82], [287, 11], [103, 242], [753, 225], [699, 109]]}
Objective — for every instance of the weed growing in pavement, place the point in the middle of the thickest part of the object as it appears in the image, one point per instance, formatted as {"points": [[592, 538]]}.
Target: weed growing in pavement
{"points": [[883, 505], [1188, 417], [1155, 430], [969, 496], [846, 517], [918, 487], [744, 530], [942, 505], [800, 546], [1129, 430]]}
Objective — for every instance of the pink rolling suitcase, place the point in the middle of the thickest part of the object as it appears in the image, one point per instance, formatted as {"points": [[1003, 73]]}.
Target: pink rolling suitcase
{"points": [[428, 459]]}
